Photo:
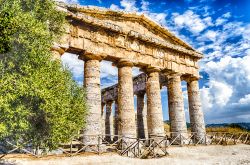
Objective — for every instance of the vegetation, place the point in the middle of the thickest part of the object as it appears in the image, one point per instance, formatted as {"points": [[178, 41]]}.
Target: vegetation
{"points": [[39, 101], [224, 129], [232, 128]]}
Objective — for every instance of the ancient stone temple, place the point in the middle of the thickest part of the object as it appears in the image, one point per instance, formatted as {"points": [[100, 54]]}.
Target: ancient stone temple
{"points": [[131, 40]]}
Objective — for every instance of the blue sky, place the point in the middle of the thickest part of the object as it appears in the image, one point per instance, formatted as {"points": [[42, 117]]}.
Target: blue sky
{"points": [[219, 29]]}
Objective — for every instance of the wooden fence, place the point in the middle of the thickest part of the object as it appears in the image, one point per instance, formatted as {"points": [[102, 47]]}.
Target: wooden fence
{"points": [[152, 147]]}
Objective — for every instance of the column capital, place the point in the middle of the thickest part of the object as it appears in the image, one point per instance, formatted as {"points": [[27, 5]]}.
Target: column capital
{"points": [[151, 69], [123, 62], [174, 75], [90, 56], [58, 49], [189, 78]]}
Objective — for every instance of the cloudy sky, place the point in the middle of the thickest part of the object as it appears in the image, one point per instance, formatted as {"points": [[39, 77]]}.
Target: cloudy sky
{"points": [[220, 29]]}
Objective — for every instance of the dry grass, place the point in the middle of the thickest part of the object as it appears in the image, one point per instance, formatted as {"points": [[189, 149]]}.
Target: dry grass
{"points": [[213, 129], [225, 129], [166, 127]]}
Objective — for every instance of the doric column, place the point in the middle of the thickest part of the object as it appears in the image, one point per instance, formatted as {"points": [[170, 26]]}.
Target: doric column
{"points": [[126, 113], [93, 95], [176, 106], [142, 131], [116, 121], [155, 117], [102, 110], [103, 119], [195, 111], [108, 121]]}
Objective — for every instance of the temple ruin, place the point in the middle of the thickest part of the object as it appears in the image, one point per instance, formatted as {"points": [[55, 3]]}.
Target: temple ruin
{"points": [[127, 40]]}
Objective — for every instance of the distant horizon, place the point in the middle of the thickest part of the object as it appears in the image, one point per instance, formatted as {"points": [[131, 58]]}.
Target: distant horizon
{"points": [[221, 123]]}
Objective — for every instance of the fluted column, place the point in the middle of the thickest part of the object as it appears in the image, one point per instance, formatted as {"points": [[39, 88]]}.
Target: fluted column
{"points": [[126, 113], [155, 117], [195, 111], [108, 121], [93, 96], [116, 121], [176, 106], [142, 131]]}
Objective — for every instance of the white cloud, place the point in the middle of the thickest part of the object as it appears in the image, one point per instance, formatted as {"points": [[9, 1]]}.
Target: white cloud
{"points": [[107, 69], [191, 21], [220, 92], [248, 51], [75, 65], [217, 38], [69, 1], [227, 15], [245, 100], [220, 21], [223, 19], [158, 17], [144, 5], [136, 71], [228, 96], [129, 5], [231, 39], [114, 7], [206, 99], [210, 35]]}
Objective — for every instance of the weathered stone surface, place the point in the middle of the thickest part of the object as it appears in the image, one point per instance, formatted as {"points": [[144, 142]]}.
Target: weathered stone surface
{"points": [[176, 106], [93, 96], [116, 121], [126, 113], [57, 52], [195, 111], [154, 113], [56, 55], [142, 129], [108, 122], [103, 116]]}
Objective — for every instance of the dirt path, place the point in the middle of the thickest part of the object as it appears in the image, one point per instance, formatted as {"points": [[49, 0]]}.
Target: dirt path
{"points": [[219, 155]]}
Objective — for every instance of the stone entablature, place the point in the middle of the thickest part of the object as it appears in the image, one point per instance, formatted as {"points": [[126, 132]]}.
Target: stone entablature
{"points": [[139, 85], [97, 32]]}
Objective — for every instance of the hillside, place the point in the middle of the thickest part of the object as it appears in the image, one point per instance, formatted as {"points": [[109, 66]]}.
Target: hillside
{"points": [[245, 126], [242, 126]]}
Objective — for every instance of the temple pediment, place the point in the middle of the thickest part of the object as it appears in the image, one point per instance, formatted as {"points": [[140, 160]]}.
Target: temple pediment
{"points": [[138, 27]]}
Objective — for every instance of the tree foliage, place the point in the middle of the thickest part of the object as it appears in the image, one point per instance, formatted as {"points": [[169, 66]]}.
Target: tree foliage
{"points": [[39, 101]]}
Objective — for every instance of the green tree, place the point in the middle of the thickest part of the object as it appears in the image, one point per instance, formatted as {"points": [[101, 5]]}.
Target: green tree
{"points": [[6, 30], [39, 101]]}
